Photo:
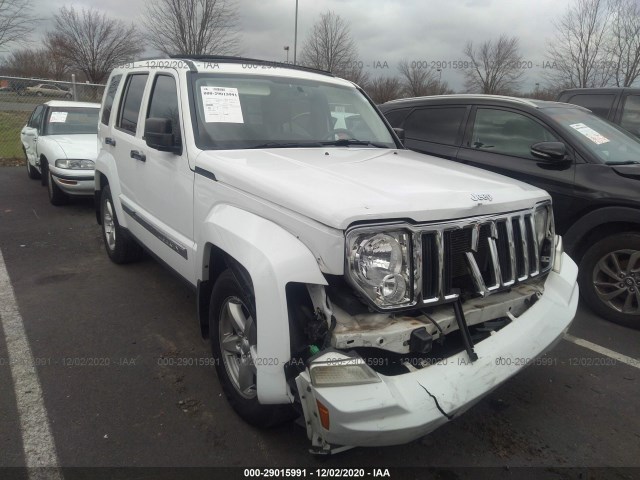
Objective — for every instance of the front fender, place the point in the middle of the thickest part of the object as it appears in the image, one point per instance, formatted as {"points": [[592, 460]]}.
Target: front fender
{"points": [[49, 149], [106, 169], [273, 257], [594, 219]]}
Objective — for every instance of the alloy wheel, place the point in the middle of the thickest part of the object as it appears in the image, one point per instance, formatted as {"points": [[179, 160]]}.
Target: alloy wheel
{"points": [[616, 278]]}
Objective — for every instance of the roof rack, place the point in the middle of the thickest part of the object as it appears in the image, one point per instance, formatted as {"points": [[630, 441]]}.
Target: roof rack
{"points": [[234, 59]]}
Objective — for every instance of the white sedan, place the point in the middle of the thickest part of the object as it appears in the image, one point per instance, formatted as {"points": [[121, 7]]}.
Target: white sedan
{"points": [[60, 146]]}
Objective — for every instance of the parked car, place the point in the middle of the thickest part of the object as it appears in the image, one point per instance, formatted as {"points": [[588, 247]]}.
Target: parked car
{"points": [[618, 105], [48, 90], [60, 146], [590, 167], [326, 264]]}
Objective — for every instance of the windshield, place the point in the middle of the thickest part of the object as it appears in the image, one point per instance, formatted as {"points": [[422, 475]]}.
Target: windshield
{"points": [[610, 144], [71, 120], [243, 111]]}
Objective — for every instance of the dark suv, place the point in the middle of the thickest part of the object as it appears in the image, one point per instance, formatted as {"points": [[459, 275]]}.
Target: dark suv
{"points": [[618, 105], [590, 167]]}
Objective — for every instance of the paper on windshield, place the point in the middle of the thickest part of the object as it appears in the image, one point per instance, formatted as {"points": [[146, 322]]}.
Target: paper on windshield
{"points": [[58, 117], [221, 105], [590, 133]]}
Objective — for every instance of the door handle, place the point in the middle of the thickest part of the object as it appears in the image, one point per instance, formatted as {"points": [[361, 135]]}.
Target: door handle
{"points": [[110, 141], [138, 155]]}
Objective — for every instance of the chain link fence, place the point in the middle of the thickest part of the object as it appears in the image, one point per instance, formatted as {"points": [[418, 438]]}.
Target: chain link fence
{"points": [[18, 98]]}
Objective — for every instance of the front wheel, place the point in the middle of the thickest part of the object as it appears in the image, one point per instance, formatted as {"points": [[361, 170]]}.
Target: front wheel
{"points": [[610, 278], [233, 330], [120, 247], [56, 196]]}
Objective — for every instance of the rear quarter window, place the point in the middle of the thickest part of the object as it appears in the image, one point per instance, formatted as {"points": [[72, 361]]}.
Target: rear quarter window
{"points": [[109, 97]]}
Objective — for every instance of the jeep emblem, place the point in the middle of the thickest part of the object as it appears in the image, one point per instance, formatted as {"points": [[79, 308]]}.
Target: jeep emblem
{"points": [[480, 197]]}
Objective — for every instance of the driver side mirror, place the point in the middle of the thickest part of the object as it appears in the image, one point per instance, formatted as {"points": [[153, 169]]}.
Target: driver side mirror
{"points": [[549, 151], [158, 134]]}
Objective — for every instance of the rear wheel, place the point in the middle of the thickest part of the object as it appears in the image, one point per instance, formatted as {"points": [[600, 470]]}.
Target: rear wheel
{"points": [[120, 247], [610, 278], [233, 332], [56, 196]]}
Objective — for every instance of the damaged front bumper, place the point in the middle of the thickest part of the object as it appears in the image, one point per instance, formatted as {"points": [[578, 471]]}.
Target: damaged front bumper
{"points": [[397, 409]]}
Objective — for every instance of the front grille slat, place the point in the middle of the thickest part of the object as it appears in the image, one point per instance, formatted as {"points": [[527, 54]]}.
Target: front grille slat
{"points": [[525, 248], [479, 257]]}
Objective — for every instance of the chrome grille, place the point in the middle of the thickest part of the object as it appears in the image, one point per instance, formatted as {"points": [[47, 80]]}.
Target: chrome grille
{"points": [[480, 256]]}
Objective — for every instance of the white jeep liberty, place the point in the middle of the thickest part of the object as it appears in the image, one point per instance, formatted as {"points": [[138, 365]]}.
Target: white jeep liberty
{"points": [[375, 291]]}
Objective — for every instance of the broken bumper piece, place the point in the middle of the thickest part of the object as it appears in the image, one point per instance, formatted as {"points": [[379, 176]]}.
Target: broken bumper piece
{"points": [[390, 410]]}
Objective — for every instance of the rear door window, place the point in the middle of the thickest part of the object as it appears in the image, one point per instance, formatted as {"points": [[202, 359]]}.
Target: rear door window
{"points": [[435, 124], [599, 104], [631, 114], [131, 102]]}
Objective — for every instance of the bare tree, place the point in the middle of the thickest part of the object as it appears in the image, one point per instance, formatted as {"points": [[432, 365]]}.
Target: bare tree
{"points": [[329, 46], [356, 74], [93, 43], [624, 49], [578, 52], [383, 89], [416, 81], [35, 63], [16, 21], [496, 66], [193, 27]]}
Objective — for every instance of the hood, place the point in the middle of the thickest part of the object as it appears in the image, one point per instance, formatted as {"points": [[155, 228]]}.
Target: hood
{"points": [[83, 146], [629, 171], [339, 186]]}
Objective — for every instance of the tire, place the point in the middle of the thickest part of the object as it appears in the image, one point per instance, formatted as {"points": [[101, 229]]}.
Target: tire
{"points": [[609, 278], [120, 247], [228, 302], [56, 196], [31, 171], [68, 95], [38, 94]]}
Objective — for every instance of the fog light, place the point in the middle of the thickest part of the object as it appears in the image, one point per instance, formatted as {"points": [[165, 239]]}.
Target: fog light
{"points": [[341, 371]]}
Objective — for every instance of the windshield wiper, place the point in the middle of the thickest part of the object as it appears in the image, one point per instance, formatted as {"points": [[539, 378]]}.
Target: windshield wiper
{"points": [[624, 162], [344, 142], [286, 145]]}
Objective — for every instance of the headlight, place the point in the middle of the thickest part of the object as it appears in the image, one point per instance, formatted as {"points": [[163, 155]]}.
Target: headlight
{"points": [[542, 223], [75, 164], [380, 266], [545, 234]]}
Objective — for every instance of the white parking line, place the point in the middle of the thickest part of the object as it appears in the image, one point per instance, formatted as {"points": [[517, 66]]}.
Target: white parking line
{"points": [[37, 441], [603, 351]]}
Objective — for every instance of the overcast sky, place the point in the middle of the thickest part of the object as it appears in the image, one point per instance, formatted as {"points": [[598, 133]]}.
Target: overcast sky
{"points": [[384, 30]]}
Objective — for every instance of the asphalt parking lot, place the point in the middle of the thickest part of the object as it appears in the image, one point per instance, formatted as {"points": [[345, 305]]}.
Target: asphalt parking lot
{"points": [[116, 352]]}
